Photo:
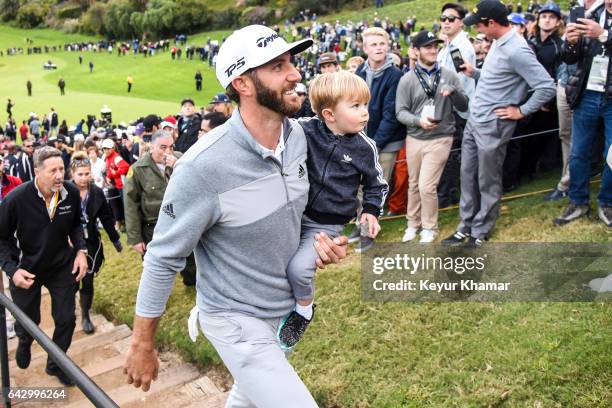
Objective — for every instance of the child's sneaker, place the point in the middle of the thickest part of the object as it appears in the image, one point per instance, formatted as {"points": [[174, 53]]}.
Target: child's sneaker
{"points": [[292, 328]]}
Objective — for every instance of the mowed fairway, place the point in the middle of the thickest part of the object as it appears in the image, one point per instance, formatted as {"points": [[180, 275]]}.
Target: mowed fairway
{"points": [[159, 82]]}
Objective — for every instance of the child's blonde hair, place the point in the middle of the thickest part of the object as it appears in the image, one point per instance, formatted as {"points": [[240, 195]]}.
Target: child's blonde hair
{"points": [[326, 90]]}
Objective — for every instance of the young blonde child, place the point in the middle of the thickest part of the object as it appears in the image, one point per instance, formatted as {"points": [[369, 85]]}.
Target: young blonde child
{"points": [[341, 158]]}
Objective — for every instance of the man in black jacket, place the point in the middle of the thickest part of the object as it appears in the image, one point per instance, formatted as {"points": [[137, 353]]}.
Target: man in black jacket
{"points": [[188, 126], [36, 221], [24, 168], [589, 93]]}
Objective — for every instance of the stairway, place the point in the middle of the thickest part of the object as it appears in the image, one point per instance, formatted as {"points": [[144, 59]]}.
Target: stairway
{"points": [[101, 356]]}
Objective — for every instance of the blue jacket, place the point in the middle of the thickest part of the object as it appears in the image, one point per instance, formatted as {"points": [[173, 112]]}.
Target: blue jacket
{"points": [[383, 126], [337, 166]]}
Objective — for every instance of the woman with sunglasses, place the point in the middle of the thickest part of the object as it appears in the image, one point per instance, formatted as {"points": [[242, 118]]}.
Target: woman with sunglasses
{"points": [[93, 207]]}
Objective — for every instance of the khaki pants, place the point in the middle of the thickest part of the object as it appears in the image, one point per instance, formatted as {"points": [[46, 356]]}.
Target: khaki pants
{"points": [[426, 160]]}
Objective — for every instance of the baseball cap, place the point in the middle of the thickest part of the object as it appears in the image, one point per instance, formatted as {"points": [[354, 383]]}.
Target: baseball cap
{"points": [[188, 100], [516, 18], [301, 88], [327, 58], [551, 8], [488, 10], [424, 38], [251, 47], [139, 129], [530, 17], [108, 144], [220, 98], [150, 121]]}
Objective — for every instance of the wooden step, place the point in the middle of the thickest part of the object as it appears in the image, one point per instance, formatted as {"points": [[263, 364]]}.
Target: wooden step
{"points": [[89, 342], [102, 326], [190, 393], [81, 358], [125, 394]]}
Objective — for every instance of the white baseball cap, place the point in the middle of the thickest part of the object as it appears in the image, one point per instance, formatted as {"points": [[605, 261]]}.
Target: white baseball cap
{"points": [[108, 144], [251, 47], [167, 124]]}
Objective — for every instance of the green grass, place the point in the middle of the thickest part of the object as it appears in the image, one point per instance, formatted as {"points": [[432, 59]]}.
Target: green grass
{"points": [[159, 82], [366, 354]]}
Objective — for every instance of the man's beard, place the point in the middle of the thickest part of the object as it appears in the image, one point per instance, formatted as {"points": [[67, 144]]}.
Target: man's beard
{"points": [[273, 100]]}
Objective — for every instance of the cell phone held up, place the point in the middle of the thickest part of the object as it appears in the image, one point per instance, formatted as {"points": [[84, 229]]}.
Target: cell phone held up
{"points": [[576, 13], [457, 60]]}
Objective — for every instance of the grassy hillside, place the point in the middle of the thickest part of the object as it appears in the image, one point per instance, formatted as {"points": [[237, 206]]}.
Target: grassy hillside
{"points": [[159, 82]]}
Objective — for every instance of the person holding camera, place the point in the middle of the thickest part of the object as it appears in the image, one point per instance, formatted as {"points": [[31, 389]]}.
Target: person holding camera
{"points": [[589, 91], [93, 207], [510, 70], [456, 49], [426, 97]]}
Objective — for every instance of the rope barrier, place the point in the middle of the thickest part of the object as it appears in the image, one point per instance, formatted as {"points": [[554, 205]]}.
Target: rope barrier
{"points": [[506, 198], [458, 149]]}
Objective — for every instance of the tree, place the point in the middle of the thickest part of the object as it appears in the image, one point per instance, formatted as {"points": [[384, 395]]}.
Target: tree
{"points": [[31, 15], [9, 9]]}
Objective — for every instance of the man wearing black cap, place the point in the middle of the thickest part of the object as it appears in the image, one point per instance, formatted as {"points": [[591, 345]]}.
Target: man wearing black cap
{"points": [[188, 126], [510, 70], [426, 97]]}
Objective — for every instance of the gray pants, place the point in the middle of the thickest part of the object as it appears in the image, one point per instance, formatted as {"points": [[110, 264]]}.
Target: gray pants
{"points": [[565, 134], [483, 151], [263, 377], [302, 266]]}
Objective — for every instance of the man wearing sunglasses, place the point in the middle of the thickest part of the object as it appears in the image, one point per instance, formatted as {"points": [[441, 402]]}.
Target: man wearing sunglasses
{"points": [[455, 39]]}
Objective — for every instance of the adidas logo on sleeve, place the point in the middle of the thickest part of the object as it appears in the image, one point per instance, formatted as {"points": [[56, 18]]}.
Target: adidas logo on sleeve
{"points": [[169, 210]]}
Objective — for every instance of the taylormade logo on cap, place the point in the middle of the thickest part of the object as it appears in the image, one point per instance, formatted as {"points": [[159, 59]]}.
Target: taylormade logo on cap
{"points": [[251, 47]]}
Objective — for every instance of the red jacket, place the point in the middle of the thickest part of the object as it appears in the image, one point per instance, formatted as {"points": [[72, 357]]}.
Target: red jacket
{"points": [[7, 184], [115, 168], [23, 131]]}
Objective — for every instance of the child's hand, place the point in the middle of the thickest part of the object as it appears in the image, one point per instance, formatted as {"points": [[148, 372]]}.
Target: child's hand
{"points": [[373, 225]]}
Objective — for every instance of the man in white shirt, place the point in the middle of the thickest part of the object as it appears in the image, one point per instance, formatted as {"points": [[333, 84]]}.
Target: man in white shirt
{"points": [[455, 39]]}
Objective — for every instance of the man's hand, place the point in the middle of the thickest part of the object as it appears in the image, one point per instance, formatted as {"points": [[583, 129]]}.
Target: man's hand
{"points": [[170, 160], [140, 247], [373, 225], [509, 112], [467, 69], [80, 265], [447, 90], [141, 363], [23, 279], [330, 250], [426, 124], [589, 28], [572, 33]]}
